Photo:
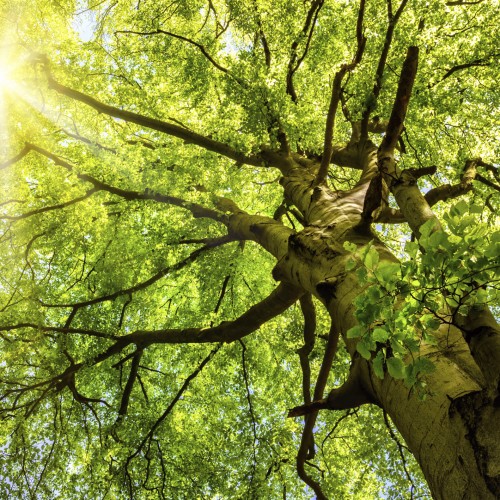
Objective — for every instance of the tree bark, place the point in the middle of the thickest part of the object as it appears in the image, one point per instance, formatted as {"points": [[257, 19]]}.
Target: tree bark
{"points": [[454, 433]]}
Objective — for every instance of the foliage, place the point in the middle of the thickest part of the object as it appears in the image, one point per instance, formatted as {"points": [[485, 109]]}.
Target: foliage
{"points": [[110, 228], [401, 306]]}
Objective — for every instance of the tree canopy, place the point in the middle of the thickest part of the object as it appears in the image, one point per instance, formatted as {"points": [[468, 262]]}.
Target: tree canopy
{"points": [[213, 213]]}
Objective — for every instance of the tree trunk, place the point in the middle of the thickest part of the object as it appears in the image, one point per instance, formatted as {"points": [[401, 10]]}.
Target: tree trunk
{"points": [[455, 432]]}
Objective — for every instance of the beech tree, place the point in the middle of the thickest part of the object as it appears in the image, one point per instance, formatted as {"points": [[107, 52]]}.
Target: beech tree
{"points": [[249, 249]]}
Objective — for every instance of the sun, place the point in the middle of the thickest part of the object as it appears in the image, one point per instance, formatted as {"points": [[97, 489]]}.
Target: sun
{"points": [[6, 86], [7, 68], [4, 77]]}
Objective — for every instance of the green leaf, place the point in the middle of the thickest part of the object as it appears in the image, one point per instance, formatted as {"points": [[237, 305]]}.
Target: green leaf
{"points": [[350, 264], [363, 350], [411, 248], [371, 258], [424, 366], [493, 250], [388, 272], [430, 321], [396, 368], [355, 331], [378, 365], [362, 275], [427, 228], [380, 334], [459, 208], [350, 247], [374, 293], [476, 209], [436, 239], [455, 239]]}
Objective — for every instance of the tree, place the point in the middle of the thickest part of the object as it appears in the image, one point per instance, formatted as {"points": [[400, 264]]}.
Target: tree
{"points": [[216, 212]]}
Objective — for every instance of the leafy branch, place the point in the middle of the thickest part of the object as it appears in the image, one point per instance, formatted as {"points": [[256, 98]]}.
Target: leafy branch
{"points": [[336, 94], [199, 46], [186, 135], [296, 60]]}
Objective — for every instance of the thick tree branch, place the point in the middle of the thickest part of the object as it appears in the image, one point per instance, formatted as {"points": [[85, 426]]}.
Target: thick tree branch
{"points": [[278, 301], [389, 215], [449, 191], [136, 359], [147, 283], [403, 185], [377, 87], [349, 395], [482, 333], [398, 114], [186, 135], [196, 209], [335, 97], [307, 32]]}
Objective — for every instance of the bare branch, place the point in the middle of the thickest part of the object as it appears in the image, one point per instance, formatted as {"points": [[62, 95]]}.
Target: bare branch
{"points": [[400, 448], [309, 313], [307, 434], [485, 61], [487, 182], [16, 158], [136, 359], [85, 140], [250, 408], [489, 168], [57, 329], [461, 2], [222, 293], [262, 36]]}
